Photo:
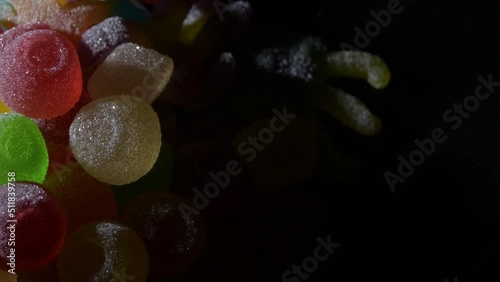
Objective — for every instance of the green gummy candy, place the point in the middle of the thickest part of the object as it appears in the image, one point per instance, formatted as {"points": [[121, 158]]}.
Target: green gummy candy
{"points": [[358, 65], [22, 149], [348, 109]]}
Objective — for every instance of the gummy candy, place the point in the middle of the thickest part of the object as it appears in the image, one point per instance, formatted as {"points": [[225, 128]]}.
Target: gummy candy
{"points": [[359, 65], [299, 61], [13, 33], [309, 60], [173, 235], [40, 75], [40, 228], [77, 191], [116, 139], [103, 251], [72, 20], [131, 70], [101, 39], [159, 178], [22, 149], [56, 130], [347, 109]]}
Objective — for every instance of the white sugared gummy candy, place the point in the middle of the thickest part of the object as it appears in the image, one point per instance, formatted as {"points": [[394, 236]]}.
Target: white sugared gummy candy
{"points": [[116, 139], [131, 70]]}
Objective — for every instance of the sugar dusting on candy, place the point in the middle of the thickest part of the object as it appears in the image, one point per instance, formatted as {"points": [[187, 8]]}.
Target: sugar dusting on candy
{"points": [[72, 21], [13, 33], [362, 65], [100, 40], [131, 70], [103, 251], [116, 139], [22, 149], [298, 61], [239, 11], [173, 235], [40, 75], [37, 213]]}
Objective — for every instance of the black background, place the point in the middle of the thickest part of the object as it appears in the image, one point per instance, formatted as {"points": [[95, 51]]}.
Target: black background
{"points": [[443, 221]]}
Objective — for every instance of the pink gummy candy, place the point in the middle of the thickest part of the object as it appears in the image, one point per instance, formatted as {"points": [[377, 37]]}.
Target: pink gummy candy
{"points": [[40, 75]]}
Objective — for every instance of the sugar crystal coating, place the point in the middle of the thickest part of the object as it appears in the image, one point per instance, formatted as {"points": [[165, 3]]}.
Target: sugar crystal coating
{"points": [[40, 75], [13, 33], [72, 21], [359, 65], [100, 40], [22, 149], [173, 235], [131, 70], [299, 61], [40, 228], [116, 139], [103, 251]]}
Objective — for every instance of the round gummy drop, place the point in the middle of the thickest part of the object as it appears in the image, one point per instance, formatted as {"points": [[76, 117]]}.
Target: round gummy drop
{"points": [[103, 251], [40, 75], [22, 149], [39, 229], [116, 139]]}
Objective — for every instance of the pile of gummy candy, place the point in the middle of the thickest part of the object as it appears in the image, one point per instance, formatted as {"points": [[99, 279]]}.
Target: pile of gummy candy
{"points": [[126, 134]]}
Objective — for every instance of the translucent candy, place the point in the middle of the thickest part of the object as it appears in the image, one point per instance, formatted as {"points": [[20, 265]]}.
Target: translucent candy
{"points": [[284, 152], [103, 251], [77, 191], [100, 40], [173, 236], [131, 70], [56, 130], [359, 65], [348, 109], [22, 149], [40, 228], [13, 33], [72, 21], [116, 139], [40, 75]]}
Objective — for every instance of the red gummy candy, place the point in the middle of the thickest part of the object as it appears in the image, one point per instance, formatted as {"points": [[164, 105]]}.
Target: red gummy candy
{"points": [[40, 75], [39, 230], [13, 33]]}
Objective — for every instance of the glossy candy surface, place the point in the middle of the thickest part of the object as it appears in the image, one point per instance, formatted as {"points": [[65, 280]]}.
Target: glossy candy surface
{"points": [[36, 212], [40, 75]]}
